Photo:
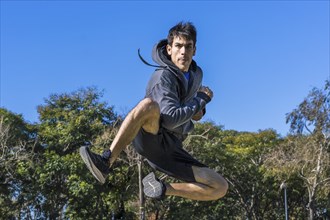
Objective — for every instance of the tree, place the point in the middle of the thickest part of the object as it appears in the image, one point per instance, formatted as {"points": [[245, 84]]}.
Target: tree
{"points": [[18, 154], [43, 176], [72, 120], [306, 151], [254, 192], [239, 157], [68, 121]]}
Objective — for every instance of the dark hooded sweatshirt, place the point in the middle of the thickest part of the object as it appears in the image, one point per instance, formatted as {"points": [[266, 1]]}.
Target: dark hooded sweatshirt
{"points": [[174, 94]]}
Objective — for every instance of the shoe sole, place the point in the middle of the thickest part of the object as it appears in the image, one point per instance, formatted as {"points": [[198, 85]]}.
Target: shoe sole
{"points": [[90, 165], [152, 188]]}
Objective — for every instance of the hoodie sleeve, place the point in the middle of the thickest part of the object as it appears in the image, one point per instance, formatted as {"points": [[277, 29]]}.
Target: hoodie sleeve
{"points": [[173, 112]]}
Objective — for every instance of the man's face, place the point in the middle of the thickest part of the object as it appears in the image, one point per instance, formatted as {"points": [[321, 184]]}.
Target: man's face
{"points": [[181, 52]]}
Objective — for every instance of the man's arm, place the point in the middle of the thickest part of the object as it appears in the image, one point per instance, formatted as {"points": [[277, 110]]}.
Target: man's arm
{"points": [[198, 116], [173, 112]]}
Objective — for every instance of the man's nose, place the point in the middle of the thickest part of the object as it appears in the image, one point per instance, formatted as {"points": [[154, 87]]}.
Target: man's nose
{"points": [[183, 50]]}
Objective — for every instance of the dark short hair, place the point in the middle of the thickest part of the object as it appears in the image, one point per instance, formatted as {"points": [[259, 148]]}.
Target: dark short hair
{"points": [[182, 29]]}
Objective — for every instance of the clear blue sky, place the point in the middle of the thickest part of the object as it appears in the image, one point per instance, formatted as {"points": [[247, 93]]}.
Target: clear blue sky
{"points": [[261, 58]]}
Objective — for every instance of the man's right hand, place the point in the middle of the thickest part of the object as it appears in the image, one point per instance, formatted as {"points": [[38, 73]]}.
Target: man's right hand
{"points": [[198, 116]]}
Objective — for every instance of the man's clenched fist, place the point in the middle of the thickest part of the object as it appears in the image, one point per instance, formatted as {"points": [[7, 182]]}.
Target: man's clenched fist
{"points": [[207, 91]]}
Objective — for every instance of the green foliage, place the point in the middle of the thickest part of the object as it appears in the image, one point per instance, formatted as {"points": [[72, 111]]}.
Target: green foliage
{"points": [[69, 121], [43, 176], [238, 156], [72, 120], [17, 128], [46, 178], [16, 163], [253, 192]]}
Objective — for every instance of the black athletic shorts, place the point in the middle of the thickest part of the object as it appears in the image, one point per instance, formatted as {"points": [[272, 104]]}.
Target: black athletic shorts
{"points": [[164, 152]]}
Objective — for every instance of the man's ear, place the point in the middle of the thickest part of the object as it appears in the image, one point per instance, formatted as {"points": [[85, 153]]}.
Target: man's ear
{"points": [[169, 49], [194, 51]]}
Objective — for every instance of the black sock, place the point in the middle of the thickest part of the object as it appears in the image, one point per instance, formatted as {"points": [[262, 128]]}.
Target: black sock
{"points": [[106, 155]]}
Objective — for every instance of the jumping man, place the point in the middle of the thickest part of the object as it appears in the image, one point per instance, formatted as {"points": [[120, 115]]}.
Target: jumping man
{"points": [[158, 125]]}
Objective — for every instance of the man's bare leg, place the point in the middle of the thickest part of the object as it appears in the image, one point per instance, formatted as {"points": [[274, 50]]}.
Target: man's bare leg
{"points": [[209, 186], [145, 115]]}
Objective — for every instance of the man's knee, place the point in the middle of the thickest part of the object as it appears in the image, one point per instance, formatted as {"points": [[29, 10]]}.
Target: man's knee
{"points": [[149, 113], [217, 185], [220, 188], [148, 108]]}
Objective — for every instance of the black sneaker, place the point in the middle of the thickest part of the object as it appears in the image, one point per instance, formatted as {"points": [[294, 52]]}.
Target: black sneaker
{"points": [[97, 164], [153, 187]]}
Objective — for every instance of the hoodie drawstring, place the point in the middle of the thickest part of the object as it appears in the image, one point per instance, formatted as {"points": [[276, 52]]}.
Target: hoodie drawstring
{"points": [[145, 62]]}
